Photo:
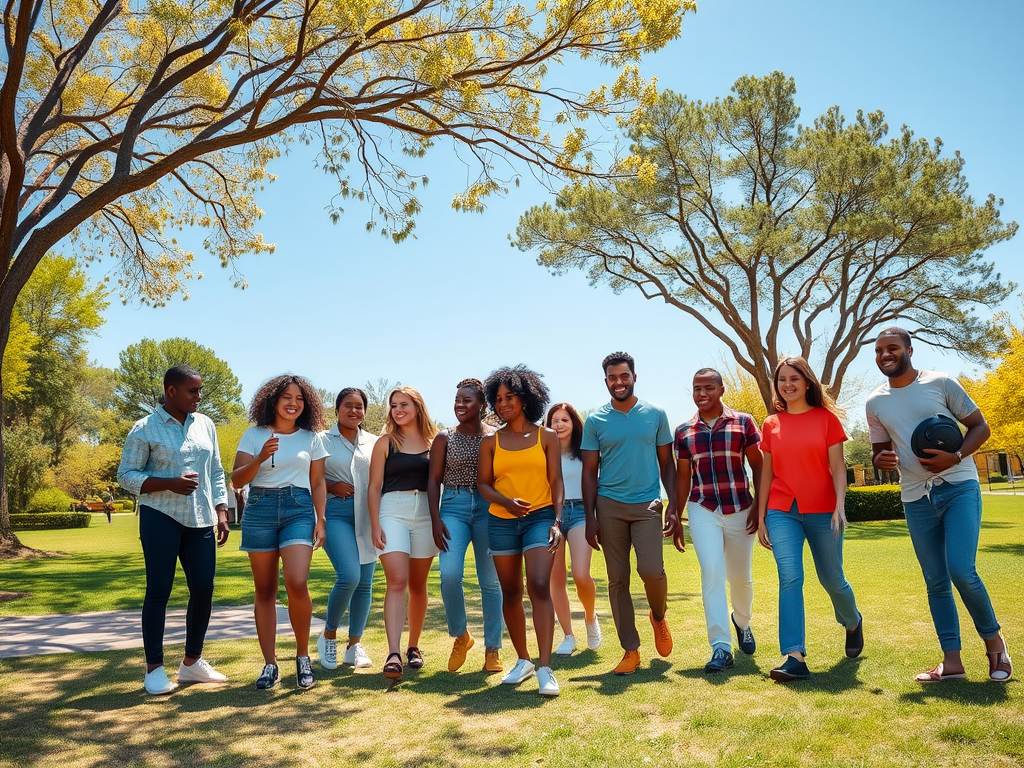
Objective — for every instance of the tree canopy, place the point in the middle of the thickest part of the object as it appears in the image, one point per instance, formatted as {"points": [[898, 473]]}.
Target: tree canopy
{"points": [[778, 237]]}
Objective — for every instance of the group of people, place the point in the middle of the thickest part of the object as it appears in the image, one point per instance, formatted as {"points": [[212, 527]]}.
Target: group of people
{"points": [[544, 482]]}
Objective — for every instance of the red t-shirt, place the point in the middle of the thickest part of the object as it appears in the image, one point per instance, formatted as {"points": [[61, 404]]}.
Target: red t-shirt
{"points": [[799, 447]]}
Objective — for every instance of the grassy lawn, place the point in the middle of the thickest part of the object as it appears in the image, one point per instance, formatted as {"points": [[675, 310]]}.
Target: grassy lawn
{"points": [[89, 710]]}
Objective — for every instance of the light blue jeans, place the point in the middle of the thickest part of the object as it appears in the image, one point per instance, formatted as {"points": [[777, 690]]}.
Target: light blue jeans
{"points": [[353, 587], [788, 531], [944, 529], [465, 514]]}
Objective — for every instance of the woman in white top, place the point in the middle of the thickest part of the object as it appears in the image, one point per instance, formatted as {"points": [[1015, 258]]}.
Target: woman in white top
{"points": [[567, 424], [282, 460]]}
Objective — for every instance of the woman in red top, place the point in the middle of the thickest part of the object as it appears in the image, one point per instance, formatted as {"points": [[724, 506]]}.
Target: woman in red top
{"points": [[802, 497]]}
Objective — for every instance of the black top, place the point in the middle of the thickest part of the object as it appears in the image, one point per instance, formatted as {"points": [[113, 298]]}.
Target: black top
{"points": [[406, 471]]}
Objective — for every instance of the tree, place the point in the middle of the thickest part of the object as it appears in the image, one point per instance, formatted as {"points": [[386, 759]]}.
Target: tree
{"points": [[21, 343], [26, 460], [140, 378], [86, 468], [777, 237], [120, 125]]}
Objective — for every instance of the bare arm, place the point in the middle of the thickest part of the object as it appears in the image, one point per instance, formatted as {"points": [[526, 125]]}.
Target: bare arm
{"points": [[247, 465], [684, 480], [373, 491], [591, 462], [763, 488], [977, 433], [318, 490], [553, 454], [438, 454], [756, 460], [837, 465], [667, 464]]}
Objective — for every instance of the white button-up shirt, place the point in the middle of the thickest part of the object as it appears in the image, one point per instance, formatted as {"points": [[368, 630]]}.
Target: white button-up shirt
{"points": [[350, 463]]}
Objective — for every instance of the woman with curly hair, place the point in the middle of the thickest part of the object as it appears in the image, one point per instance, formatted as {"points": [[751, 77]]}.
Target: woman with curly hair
{"points": [[400, 521], [802, 497], [568, 426], [520, 474], [459, 517], [281, 459]]}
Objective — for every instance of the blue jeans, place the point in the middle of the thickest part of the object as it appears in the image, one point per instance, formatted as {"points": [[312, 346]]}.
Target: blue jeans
{"points": [[465, 514], [353, 588], [787, 531], [944, 529]]}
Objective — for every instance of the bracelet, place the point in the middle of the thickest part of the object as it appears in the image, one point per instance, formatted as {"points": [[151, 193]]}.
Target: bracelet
{"points": [[959, 457]]}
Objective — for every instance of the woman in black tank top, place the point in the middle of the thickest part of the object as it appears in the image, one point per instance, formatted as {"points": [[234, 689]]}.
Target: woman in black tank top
{"points": [[400, 521]]}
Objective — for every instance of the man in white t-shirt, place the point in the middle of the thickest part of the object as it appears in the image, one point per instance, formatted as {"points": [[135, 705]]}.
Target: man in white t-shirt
{"points": [[941, 497]]}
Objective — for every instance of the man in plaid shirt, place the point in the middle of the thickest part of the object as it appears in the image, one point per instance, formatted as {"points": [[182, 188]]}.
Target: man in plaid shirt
{"points": [[712, 484]]}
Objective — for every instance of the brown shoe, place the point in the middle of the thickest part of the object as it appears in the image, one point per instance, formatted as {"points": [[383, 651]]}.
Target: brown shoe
{"points": [[492, 661], [662, 637], [630, 663], [459, 651]]}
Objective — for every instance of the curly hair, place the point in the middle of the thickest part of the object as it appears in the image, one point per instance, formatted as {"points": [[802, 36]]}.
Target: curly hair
{"points": [[264, 403], [576, 440], [478, 389], [524, 384], [618, 358]]}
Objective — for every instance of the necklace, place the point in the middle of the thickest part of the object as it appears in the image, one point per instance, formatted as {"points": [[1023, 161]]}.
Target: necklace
{"points": [[524, 434]]}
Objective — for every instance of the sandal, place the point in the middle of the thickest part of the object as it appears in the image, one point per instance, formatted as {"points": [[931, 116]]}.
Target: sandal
{"points": [[393, 669], [1000, 667], [939, 675], [415, 657]]}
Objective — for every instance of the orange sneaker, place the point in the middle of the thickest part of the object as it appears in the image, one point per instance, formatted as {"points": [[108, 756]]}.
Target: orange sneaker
{"points": [[662, 637], [459, 650], [492, 661], [630, 663]]}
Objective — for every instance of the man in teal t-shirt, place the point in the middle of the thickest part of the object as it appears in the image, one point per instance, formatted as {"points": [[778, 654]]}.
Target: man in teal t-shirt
{"points": [[627, 448]]}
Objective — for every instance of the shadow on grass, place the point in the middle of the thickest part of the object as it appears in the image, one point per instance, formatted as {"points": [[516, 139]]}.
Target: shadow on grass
{"points": [[961, 692], [1005, 549], [876, 531], [608, 684]]}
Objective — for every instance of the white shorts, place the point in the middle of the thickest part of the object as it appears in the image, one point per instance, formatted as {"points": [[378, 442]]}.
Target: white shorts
{"points": [[405, 519]]}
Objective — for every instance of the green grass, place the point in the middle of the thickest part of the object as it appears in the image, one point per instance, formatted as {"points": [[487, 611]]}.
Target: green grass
{"points": [[89, 710]]}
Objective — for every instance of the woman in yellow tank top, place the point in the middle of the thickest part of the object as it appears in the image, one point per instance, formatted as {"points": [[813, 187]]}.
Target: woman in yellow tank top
{"points": [[520, 474]]}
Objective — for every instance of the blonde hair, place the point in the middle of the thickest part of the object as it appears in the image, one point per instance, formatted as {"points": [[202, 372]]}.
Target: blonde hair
{"points": [[817, 397], [424, 423]]}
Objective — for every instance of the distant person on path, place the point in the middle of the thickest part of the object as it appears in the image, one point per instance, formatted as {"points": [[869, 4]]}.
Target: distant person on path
{"points": [[400, 522], [711, 482], [802, 496], [941, 497], [349, 544], [171, 461], [627, 445], [521, 476], [108, 503], [568, 426], [459, 516], [282, 459]]}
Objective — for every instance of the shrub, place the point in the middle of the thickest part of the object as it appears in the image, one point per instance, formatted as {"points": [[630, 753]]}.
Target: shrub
{"points": [[125, 505], [36, 521], [996, 479], [874, 502], [50, 500]]}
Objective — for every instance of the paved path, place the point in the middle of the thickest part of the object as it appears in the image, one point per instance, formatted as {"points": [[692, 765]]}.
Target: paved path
{"points": [[115, 630]]}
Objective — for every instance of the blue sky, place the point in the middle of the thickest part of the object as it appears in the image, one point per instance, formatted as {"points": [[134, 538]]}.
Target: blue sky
{"points": [[341, 306]]}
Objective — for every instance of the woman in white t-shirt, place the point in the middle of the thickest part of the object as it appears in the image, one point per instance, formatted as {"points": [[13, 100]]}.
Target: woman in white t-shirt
{"points": [[281, 459], [567, 424]]}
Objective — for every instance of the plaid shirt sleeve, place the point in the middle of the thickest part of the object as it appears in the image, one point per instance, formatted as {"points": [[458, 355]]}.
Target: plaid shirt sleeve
{"points": [[682, 448], [751, 436]]}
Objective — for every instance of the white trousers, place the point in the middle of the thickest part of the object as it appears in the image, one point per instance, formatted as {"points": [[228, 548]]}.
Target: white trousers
{"points": [[724, 551]]}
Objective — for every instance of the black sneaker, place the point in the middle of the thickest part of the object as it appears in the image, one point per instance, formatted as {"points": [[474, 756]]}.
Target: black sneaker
{"points": [[720, 661], [792, 669], [304, 672], [268, 677], [745, 636], [855, 640]]}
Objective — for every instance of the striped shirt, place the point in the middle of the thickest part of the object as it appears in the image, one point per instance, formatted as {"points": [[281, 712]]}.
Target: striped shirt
{"points": [[159, 446], [716, 457]]}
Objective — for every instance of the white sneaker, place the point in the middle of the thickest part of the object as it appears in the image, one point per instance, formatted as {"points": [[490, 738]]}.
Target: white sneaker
{"points": [[567, 647], [548, 684], [356, 656], [327, 651], [200, 672], [593, 633], [157, 683], [523, 670]]}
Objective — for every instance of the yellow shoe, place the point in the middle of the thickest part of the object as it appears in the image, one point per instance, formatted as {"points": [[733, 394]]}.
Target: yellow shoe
{"points": [[492, 661], [630, 663], [459, 651], [662, 637]]}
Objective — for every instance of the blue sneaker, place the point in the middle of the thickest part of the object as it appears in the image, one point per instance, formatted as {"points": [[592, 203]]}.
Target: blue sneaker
{"points": [[720, 661], [792, 669], [745, 636]]}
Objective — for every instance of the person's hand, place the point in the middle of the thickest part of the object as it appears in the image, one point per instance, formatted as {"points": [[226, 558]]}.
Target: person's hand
{"points": [[377, 534], [752, 520], [668, 528], [319, 533], [762, 535], [269, 449], [678, 538], [341, 489], [554, 538], [838, 522], [940, 460], [886, 461], [518, 507], [185, 485], [441, 535], [223, 531], [593, 532]]}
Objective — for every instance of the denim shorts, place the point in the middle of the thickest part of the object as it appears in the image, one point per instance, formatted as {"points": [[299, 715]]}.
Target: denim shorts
{"points": [[572, 515], [275, 518], [516, 535]]}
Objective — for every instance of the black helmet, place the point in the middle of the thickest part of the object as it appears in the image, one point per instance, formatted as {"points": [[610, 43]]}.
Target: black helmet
{"points": [[936, 432]]}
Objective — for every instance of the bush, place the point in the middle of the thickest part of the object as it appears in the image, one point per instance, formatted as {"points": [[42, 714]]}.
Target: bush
{"points": [[125, 505], [996, 479], [50, 500], [874, 502], [37, 521]]}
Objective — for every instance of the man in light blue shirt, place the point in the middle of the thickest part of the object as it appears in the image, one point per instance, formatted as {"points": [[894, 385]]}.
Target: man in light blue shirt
{"points": [[627, 449], [171, 461]]}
